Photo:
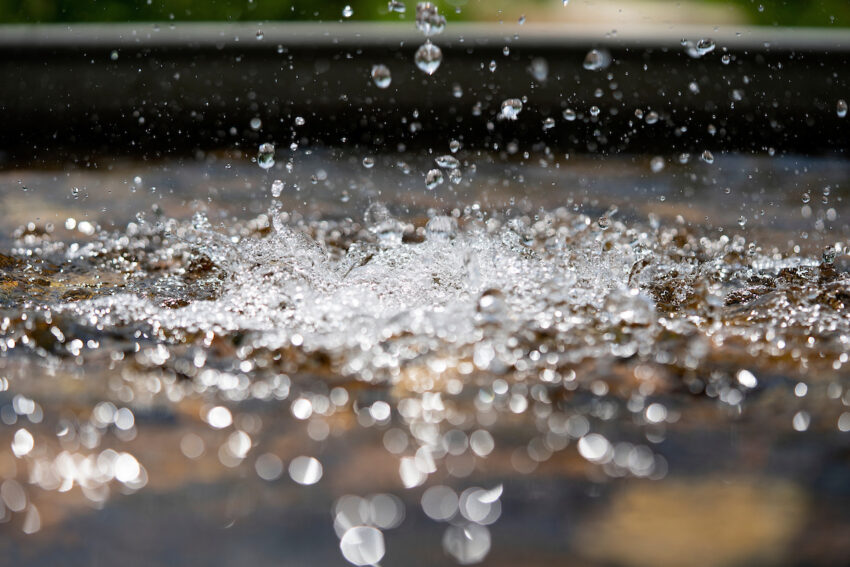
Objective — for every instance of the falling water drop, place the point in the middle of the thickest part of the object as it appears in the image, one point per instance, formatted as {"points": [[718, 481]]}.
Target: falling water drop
{"points": [[454, 146], [265, 157], [707, 157], [277, 188], [428, 57], [347, 11], [368, 162], [597, 60], [569, 115], [511, 108], [447, 162], [381, 76], [428, 19], [841, 108], [433, 178], [548, 123], [657, 164], [396, 6]]}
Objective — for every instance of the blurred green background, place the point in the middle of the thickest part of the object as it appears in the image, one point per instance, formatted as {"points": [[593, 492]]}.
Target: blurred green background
{"points": [[762, 12]]}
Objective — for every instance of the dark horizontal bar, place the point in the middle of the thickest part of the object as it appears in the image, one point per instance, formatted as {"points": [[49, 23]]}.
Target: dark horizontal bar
{"points": [[143, 90]]}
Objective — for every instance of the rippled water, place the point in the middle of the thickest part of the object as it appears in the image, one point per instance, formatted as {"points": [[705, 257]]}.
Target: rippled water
{"points": [[547, 359]]}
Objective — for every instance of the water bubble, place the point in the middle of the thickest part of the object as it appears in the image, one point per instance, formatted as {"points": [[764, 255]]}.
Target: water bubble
{"points": [[597, 60], [305, 470], [454, 146], [428, 19], [467, 544], [396, 6], [433, 178], [368, 162], [362, 545], [707, 157], [569, 114], [428, 57], [265, 157], [441, 228], [447, 162], [841, 108], [381, 76], [548, 123], [511, 108], [657, 164], [347, 11], [277, 188]]}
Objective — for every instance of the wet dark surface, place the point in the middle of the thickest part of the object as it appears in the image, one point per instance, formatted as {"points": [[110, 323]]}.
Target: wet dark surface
{"points": [[694, 410]]}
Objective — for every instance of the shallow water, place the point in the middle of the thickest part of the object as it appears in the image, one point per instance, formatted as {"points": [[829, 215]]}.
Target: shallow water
{"points": [[598, 363]]}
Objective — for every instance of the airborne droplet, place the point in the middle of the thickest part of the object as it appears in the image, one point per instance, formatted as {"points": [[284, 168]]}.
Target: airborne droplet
{"points": [[841, 108], [433, 178], [597, 60], [381, 76], [511, 108], [265, 157], [428, 57]]}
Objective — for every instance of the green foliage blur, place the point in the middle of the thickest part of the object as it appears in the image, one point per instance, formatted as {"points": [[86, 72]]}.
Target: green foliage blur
{"points": [[764, 12]]}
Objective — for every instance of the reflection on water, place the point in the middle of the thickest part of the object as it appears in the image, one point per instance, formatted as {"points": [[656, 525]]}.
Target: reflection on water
{"points": [[541, 362]]}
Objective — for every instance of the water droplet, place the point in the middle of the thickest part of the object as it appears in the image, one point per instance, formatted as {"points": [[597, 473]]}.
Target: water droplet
{"points": [[260, 35], [566, 3], [705, 46], [548, 123], [806, 198], [381, 76], [594, 111], [433, 179], [347, 11], [829, 255], [256, 123], [277, 188], [742, 221], [428, 57], [569, 114], [265, 157], [428, 19], [597, 60], [441, 228], [219, 417], [114, 55], [439, 503], [841, 108], [511, 108], [651, 117], [299, 121], [725, 59], [396, 6], [603, 222], [447, 162], [454, 146], [368, 162], [268, 466], [305, 470], [657, 164], [521, 20], [362, 545], [707, 157], [492, 66], [539, 69]]}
